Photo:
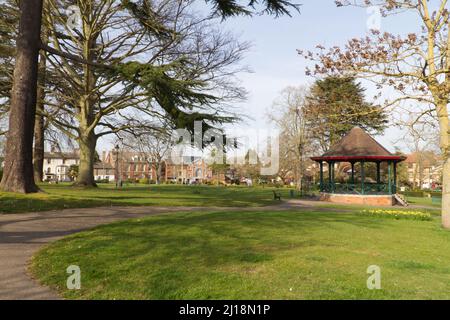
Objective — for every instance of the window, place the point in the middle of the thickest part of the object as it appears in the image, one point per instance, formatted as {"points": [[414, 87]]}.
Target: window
{"points": [[49, 161]]}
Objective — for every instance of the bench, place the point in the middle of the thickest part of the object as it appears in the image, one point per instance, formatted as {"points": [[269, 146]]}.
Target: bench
{"points": [[276, 195]]}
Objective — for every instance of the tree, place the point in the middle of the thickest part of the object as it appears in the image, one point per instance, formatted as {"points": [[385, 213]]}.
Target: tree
{"points": [[18, 168], [73, 172], [289, 114], [217, 165], [9, 12], [335, 105], [19, 142], [154, 146], [230, 8], [415, 65], [186, 59], [419, 139], [8, 32], [39, 126]]}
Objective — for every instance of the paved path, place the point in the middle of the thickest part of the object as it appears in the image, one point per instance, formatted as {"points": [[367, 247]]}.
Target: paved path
{"points": [[22, 235]]}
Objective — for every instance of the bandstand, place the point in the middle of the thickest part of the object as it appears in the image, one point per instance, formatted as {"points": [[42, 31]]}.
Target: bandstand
{"points": [[358, 148]]}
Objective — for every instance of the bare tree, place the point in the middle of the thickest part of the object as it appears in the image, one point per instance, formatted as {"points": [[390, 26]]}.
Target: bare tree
{"points": [[184, 50], [416, 66], [288, 113], [154, 146]]}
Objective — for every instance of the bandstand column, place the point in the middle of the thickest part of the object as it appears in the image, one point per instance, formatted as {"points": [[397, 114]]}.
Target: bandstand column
{"points": [[389, 177], [395, 177], [353, 172], [378, 173], [321, 176], [378, 176], [363, 176], [331, 169]]}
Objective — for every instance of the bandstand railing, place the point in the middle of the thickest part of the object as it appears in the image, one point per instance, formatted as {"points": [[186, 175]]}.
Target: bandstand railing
{"points": [[358, 188]]}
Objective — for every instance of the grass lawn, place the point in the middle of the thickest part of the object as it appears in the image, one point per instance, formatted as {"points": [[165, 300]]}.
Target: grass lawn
{"points": [[253, 255], [423, 202], [65, 196]]}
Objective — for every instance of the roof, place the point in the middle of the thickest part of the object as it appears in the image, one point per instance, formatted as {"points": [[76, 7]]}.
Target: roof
{"points": [[186, 160], [61, 155], [103, 165], [358, 145], [428, 158]]}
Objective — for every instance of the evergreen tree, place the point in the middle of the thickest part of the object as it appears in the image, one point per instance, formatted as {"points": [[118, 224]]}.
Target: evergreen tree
{"points": [[337, 104]]}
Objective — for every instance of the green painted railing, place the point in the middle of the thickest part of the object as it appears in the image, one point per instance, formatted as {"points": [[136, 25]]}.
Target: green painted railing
{"points": [[357, 188]]}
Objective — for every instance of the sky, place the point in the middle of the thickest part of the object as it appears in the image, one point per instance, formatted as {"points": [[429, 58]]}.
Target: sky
{"points": [[273, 56]]}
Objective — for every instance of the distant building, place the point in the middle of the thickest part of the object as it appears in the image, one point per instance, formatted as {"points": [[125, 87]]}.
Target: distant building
{"points": [[131, 165], [57, 165], [189, 170], [424, 170], [104, 171], [135, 166]]}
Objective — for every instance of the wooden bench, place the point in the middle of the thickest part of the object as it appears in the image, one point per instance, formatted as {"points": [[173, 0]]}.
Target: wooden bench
{"points": [[276, 195]]}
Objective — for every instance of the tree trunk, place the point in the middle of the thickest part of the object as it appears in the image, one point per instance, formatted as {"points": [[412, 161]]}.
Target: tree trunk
{"points": [[39, 128], [444, 128], [446, 194], [87, 160], [18, 167], [158, 170]]}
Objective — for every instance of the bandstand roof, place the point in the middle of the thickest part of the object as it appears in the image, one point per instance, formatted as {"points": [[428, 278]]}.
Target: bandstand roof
{"points": [[358, 145]]}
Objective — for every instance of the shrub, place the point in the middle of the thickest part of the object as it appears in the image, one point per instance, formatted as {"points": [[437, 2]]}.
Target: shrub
{"points": [[102, 181], [144, 181], [399, 214]]}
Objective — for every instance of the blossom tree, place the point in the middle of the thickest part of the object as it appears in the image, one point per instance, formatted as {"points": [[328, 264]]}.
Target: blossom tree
{"points": [[415, 65]]}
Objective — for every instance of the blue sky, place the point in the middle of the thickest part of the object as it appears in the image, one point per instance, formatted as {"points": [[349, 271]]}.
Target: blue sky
{"points": [[274, 60], [274, 57]]}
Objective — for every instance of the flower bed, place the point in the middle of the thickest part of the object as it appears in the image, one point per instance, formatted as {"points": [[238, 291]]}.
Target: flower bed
{"points": [[399, 214]]}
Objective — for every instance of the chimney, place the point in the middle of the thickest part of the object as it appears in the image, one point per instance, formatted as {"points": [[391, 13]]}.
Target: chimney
{"points": [[103, 156]]}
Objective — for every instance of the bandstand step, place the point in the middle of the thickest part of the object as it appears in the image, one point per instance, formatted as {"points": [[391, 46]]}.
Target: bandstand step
{"points": [[401, 200]]}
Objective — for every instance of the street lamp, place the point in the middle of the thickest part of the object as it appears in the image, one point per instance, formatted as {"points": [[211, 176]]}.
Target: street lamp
{"points": [[117, 173]]}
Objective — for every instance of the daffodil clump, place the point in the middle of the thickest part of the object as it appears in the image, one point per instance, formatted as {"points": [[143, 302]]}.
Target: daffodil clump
{"points": [[399, 214]]}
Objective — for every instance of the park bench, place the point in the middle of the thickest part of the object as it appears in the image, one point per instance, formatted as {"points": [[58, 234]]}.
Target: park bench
{"points": [[276, 195]]}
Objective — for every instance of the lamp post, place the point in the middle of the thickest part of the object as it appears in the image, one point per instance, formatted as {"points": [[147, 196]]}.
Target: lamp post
{"points": [[117, 173]]}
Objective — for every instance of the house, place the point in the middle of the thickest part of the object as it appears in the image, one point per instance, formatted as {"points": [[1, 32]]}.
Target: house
{"points": [[130, 165], [424, 170], [104, 171], [190, 170], [135, 166], [57, 165]]}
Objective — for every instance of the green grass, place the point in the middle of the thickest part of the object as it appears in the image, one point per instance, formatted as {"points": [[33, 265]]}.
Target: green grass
{"points": [[63, 196], [253, 255], [425, 201]]}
